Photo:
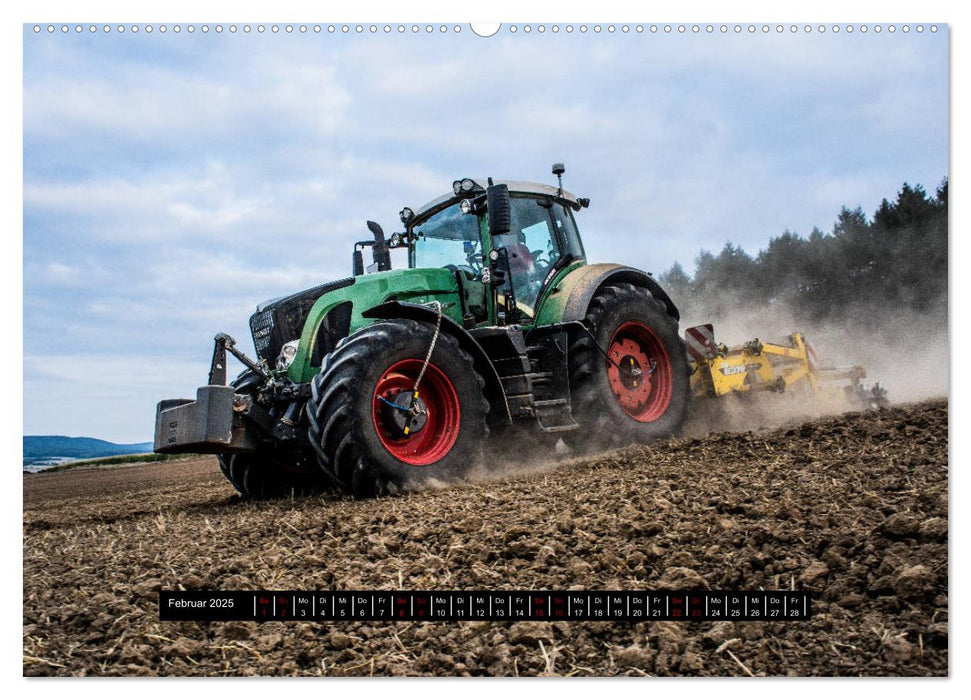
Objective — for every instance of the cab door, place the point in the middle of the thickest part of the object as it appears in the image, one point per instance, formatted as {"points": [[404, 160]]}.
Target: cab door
{"points": [[532, 247]]}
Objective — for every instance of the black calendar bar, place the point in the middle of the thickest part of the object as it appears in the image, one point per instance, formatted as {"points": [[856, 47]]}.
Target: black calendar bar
{"points": [[457, 606]]}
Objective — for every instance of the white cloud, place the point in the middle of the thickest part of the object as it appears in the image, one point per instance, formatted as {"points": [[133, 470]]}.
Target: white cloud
{"points": [[156, 102], [61, 274], [170, 184]]}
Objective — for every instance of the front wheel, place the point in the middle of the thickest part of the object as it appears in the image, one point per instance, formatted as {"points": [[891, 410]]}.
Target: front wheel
{"points": [[269, 472], [373, 434], [639, 391]]}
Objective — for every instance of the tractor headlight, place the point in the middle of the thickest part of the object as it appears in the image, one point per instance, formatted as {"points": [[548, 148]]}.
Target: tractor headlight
{"points": [[465, 185], [466, 206], [287, 353], [406, 215]]}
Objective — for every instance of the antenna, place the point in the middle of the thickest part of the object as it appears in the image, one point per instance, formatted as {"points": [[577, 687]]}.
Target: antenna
{"points": [[558, 170]]}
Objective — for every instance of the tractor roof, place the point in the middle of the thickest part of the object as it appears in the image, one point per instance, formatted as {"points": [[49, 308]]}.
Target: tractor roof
{"points": [[515, 186]]}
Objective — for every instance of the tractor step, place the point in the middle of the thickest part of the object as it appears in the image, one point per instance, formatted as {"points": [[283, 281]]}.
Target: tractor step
{"points": [[554, 415], [542, 377], [533, 376]]}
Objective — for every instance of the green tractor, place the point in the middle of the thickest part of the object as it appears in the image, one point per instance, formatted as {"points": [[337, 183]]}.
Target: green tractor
{"points": [[497, 334]]}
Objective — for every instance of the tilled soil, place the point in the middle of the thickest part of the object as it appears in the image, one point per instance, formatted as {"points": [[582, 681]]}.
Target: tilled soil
{"points": [[852, 508]]}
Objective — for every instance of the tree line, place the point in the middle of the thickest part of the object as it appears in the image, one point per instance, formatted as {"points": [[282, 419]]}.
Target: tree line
{"points": [[864, 268]]}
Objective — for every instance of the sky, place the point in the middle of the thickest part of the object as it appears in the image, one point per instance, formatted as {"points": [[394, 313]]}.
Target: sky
{"points": [[171, 182]]}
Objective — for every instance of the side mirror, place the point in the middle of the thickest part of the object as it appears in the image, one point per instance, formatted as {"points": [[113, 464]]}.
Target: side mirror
{"points": [[500, 215], [357, 263]]}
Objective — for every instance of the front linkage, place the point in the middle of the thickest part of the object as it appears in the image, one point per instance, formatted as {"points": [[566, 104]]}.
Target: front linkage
{"points": [[215, 423]]}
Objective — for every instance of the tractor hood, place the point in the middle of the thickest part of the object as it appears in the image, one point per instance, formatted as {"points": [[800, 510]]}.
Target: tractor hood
{"points": [[319, 317], [281, 320]]}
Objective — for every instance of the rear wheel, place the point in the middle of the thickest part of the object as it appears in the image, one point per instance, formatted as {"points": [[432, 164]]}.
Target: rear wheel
{"points": [[371, 437], [640, 393], [268, 472]]}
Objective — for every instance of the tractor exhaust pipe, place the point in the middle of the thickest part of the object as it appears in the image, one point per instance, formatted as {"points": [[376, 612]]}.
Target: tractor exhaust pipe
{"points": [[381, 252]]}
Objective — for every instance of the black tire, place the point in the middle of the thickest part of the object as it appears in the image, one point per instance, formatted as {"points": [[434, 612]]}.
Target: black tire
{"points": [[269, 472], [345, 413], [245, 382], [620, 313]]}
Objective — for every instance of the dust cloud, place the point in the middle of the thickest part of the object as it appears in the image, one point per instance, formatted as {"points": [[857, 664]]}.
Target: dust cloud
{"points": [[906, 352]]}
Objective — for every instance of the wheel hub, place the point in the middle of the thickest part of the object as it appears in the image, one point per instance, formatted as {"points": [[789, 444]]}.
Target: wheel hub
{"points": [[423, 432], [639, 372], [631, 374], [400, 417], [628, 380]]}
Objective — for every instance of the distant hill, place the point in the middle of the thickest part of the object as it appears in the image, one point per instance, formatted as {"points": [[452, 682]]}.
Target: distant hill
{"points": [[48, 450]]}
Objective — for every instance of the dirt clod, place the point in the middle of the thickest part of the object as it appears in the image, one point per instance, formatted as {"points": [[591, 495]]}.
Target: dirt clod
{"points": [[682, 578], [530, 632], [900, 525], [898, 650], [636, 656], [718, 634], [814, 573], [933, 529], [691, 664], [914, 582]]}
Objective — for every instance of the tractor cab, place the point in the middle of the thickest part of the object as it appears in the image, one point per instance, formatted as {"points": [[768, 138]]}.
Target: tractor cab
{"points": [[508, 237]]}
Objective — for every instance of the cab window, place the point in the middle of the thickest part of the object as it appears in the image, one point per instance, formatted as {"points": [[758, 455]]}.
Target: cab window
{"points": [[448, 238], [566, 226], [532, 248]]}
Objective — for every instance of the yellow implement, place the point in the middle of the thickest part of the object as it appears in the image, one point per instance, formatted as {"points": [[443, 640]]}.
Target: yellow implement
{"points": [[718, 370]]}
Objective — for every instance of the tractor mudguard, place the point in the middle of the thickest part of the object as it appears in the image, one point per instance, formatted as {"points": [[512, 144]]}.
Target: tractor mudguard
{"points": [[483, 365], [581, 284]]}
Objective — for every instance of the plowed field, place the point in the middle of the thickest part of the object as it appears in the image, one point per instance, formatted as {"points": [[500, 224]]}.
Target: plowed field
{"points": [[853, 508]]}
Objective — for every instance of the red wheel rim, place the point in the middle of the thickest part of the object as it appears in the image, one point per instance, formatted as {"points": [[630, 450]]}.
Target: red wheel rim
{"points": [[441, 427], [640, 373]]}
